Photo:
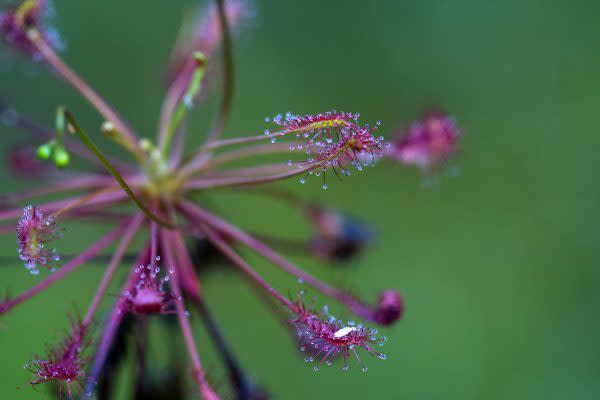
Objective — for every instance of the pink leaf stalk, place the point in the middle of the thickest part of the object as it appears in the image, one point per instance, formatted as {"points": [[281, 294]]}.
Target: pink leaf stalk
{"points": [[150, 201]]}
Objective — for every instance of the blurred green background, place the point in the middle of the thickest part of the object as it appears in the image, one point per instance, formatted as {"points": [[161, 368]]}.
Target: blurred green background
{"points": [[498, 265]]}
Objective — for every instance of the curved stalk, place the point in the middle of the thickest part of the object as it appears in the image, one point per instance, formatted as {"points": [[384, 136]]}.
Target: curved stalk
{"points": [[211, 183], [115, 261]]}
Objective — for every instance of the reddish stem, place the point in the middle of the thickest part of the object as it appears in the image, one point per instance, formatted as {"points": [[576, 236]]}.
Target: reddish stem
{"points": [[50, 207], [197, 159], [245, 267], [114, 321], [153, 238], [75, 183], [248, 151], [132, 229], [189, 279], [195, 213], [205, 391], [210, 183], [255, 171]]}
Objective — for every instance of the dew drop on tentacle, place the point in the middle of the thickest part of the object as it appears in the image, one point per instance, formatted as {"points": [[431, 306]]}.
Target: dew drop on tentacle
{"points": [[188, 101]]}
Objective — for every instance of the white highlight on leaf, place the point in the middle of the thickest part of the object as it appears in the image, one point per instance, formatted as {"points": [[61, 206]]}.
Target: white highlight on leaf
{"points": [[344, 331]]}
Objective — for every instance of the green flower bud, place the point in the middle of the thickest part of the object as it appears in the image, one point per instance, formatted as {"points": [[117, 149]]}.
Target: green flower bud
{"points": [[61, 157], [44, 152]]}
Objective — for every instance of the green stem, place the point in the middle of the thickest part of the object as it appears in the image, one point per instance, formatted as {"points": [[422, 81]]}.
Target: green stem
{"points": [[186, 100], [92, 147]]}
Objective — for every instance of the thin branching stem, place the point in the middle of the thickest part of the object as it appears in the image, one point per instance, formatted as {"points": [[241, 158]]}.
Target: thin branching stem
{"points": [[97, 202], [113, 322], [117, 257], [198, 372], [244, 266], [76, 183], [216, 223], [195, 160], [212, 183], [84, 200]]}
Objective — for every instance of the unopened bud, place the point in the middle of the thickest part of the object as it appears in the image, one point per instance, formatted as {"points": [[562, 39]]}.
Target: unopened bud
{"points": [[44, 152], [61, 157], [108, 128], [390, 307]]}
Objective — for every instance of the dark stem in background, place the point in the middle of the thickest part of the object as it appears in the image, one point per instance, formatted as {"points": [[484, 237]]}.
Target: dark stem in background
{"points": [[107, 378], [228, 77], [237, 376], [141, 349]]}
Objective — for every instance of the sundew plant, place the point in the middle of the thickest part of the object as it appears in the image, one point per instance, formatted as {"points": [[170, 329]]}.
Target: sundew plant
{"points": [[152, 197]]}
